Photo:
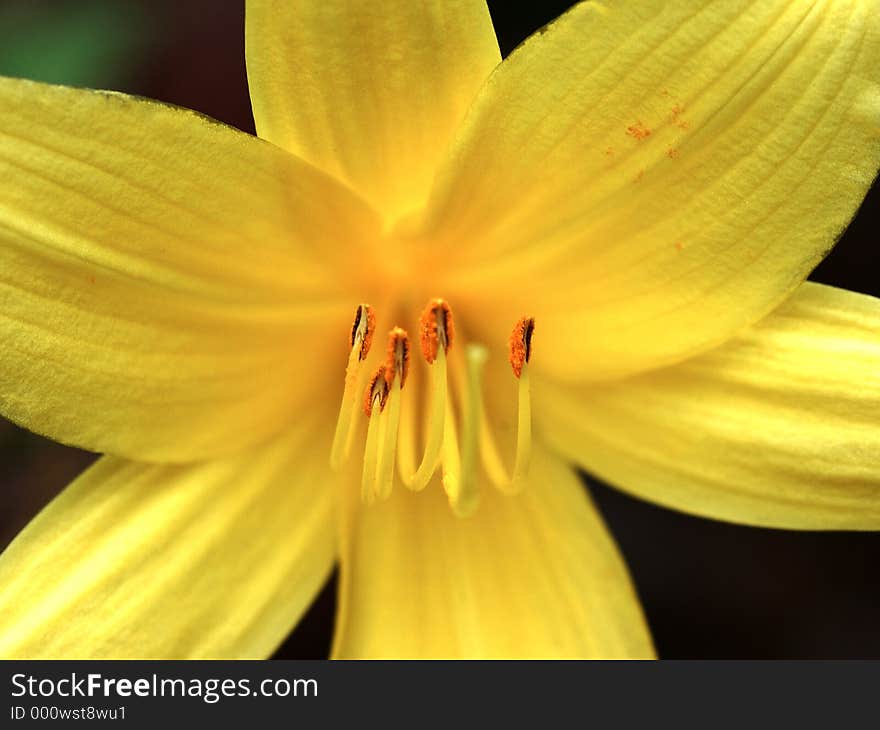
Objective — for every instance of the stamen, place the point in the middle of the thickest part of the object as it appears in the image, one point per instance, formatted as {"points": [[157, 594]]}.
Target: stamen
{"points": [[524, 330], [396, 370], [437, 331], [375, 398], [360, 341], [520, 354]]}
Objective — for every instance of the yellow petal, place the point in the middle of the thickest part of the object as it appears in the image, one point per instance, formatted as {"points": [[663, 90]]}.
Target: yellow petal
{"points": [[161, 275], [535, 575], [370, 92], [779, 427], [138, 561], [650, 177]]}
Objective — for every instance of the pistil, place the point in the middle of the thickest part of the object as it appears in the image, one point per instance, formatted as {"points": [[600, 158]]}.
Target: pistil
{"points": [[460, 467]]}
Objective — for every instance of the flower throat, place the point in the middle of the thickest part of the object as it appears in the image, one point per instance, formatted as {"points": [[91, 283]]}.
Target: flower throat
{"points": [[457, 446]]}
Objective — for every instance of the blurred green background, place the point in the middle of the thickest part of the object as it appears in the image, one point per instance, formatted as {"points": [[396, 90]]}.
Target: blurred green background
{"points": [[83, 43], [709, 589]]}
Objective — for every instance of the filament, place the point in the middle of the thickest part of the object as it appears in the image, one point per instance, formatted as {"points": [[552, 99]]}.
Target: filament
{"points": [[451, 458], [437, 419], [388, 440], [374, 404], [368, 476], [342, 437], [491, 458]]}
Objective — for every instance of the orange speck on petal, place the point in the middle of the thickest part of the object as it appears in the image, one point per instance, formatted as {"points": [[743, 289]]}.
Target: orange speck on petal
{"points": [[521, 344], [676, 118], [672, 153], [639, 176], [679, 246], [638, 131], [609, 151]]}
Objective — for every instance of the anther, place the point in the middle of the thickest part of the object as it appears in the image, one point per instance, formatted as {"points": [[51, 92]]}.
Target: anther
{"points": [[377, 392], [436, 329], [521, 344], [398, 356], [362, 330]]}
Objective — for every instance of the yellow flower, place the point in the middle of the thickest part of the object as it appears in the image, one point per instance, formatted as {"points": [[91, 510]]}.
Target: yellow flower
{"points": [[651, 181]]}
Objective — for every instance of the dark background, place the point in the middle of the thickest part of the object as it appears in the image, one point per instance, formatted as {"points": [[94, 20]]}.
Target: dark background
{"points": [[710, 590]]}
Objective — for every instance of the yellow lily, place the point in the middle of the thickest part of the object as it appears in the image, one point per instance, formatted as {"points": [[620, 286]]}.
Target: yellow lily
{"points": [[651, 181]]}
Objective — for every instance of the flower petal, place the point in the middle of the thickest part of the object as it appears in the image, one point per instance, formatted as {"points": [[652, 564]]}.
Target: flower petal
{"points": [[651, 177], [150, 561], [535, 575], [779, 427], [370, 92], [160, 274]]}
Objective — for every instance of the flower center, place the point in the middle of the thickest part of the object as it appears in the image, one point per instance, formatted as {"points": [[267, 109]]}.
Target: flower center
{"points": [[458, 437]]}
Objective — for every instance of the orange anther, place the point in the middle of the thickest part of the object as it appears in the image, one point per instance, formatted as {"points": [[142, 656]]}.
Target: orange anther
{"points": [[397, 362], [377, 392], [362, 330], [521, 344], [436, 328]]}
